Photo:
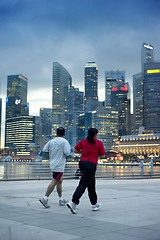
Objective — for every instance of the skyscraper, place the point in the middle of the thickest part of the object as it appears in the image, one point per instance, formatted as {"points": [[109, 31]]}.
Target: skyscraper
{"points": [[91, 86], [16, 101], [147, 55], [120, 101], [75, 109], [112, 78], [61, 83], [138, 101], [152, 96]]}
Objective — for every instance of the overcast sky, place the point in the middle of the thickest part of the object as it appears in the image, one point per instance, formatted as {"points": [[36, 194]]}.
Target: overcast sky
{"points": [[34, 33]]}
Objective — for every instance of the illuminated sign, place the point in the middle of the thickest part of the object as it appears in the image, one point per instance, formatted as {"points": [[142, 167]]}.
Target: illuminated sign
{"points": [[17, 101], [114, 89], [124, 89], [153, 71], [148, 46]]}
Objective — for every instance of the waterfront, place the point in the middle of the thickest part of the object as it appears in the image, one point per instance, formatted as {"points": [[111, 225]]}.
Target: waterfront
{"points": [[40, 170]]}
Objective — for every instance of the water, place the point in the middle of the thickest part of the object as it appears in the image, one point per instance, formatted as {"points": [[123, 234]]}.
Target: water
{"points": [[41, 170]]}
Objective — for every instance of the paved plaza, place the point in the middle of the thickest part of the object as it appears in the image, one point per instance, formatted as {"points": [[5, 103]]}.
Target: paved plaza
{"points": [[130, 211]]}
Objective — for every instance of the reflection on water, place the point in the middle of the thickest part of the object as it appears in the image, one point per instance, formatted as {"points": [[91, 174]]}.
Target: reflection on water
{"points": [[42, 171]]}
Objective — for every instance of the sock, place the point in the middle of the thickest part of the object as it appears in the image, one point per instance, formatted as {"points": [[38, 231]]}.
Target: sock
{"points": [[45, 198], [60, 198]]}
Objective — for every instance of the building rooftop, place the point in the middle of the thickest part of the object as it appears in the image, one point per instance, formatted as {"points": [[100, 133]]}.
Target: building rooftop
{"points": [[130, 211]]}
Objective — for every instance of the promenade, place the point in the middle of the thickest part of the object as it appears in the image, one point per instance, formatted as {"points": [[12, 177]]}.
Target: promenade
{"points": [[130, 211]]}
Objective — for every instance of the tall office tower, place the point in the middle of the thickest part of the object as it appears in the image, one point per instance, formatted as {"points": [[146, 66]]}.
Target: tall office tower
{"points": [[152, 96], [112, 78], [91, 87], [147, 55], [0, 121], [61, 84], [46, 121], [16, 102], [105, 120], [75, 109], [120, 101], [138, 101], [20, 132]]}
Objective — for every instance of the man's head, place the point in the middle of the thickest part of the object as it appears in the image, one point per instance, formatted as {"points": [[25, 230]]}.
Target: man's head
{"points": [[60, 132]]}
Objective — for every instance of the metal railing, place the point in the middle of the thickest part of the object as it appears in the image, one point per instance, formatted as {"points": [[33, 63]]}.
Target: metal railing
{"points": [[40, 170]]}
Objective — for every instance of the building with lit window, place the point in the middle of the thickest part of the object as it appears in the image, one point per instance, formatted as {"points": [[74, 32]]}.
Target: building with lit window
{"points": [[76, 99], [120, 101], [142, 145], [61, 83], [112, 78], [147, 55], [138, 101], [16, 101], [105, 120], [20, 132], [152, 96], [91, 87]]}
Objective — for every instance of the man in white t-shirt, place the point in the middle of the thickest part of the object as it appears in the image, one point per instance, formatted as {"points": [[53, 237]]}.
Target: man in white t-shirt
{"points": [[57, 148]]}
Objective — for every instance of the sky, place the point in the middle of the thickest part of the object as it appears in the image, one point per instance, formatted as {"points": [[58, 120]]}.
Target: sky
{"points": [[35, 33]]}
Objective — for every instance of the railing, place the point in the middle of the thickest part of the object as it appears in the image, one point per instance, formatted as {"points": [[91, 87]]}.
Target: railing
{"points": [[40, 170]]}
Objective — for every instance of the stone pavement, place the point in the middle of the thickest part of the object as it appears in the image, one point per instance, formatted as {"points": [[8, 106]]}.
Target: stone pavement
{"points": [[130, 211]]}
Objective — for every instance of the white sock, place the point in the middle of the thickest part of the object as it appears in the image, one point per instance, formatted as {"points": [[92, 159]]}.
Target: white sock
{"points": [[45, 198], [60, 198]]}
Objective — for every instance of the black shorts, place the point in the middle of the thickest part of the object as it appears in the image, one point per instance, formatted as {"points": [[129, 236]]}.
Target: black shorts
{"points": [[57, 175]]}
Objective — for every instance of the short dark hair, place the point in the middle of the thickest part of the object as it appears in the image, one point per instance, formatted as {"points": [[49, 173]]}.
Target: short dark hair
{"points": [[60, 132]]}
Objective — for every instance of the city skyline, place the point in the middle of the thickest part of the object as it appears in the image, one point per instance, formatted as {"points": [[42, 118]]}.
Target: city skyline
{"points": [[34, 34]]}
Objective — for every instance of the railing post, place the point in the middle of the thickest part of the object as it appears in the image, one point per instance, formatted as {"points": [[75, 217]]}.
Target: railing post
{"points": [[142, 170], [151, 167]]}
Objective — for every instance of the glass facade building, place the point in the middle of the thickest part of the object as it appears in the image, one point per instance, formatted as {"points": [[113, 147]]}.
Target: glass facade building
{"points": [[138, 101], [61, 83], [147, 55], [20, 132], [91, 87], [112, 78], [0, 121], [76, 98], [16, 101], [152, 96]]}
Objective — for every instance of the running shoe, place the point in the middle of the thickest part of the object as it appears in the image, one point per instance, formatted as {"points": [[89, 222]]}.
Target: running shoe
{"points": [[72, 207], [63, 202], [96, 207], [44, 203]]}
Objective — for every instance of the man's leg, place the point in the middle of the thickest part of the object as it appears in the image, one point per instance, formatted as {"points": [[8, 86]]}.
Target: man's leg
{"points": [[59, 187], [51, 187]]}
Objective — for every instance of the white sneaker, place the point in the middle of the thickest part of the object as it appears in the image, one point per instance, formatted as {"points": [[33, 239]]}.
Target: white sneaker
{"points": [[96, 207], [72, 207], [44, 203], [63, 202]]}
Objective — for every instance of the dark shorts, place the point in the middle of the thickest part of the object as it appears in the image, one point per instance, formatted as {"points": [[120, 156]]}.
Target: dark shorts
{"points": [[57, 175]]}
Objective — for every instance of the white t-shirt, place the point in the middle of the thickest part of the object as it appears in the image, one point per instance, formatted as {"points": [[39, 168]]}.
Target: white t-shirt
{"points": [[58, 149]]}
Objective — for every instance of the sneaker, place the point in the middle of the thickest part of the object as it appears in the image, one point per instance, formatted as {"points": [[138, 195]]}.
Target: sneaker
{"points": [[96, 207], [72, 207], [63, 202], [44, 203]]}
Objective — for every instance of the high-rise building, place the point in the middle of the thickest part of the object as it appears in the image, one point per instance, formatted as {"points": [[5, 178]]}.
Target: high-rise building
{"points": [[46, 121], [152, 96], [16, 102], [61, 83], [105, 120], [91, 87], [112, 78], [75, 109], [20, 132], [120, 101], [147, 55], [138, 101]]}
